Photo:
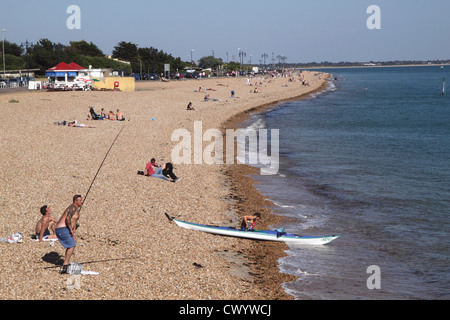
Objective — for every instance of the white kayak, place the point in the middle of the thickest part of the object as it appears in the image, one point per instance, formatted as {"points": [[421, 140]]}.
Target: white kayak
{"points": [[268, 235]]}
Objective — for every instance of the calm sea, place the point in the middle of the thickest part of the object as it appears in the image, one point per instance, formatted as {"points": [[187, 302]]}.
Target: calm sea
{"points": [[368, 159]]}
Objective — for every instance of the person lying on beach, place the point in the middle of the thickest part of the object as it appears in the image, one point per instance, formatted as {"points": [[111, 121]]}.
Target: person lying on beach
{"points": [[75, 123], [119, 116], [189, 106], [249, 222], [44, 224]]}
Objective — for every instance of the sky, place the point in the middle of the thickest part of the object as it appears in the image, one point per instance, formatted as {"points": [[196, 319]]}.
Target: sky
{"points": [[302, 31]]}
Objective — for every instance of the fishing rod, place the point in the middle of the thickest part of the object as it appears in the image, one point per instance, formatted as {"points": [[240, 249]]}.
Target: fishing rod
{"points": [[98, 261], [85, 197]]}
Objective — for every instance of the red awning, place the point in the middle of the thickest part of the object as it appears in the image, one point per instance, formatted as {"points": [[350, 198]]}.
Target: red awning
{"points": [[62, 66], [75, 66]]}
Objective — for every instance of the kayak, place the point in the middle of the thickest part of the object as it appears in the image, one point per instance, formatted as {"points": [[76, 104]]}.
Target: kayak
{"points": [[268, 235]]}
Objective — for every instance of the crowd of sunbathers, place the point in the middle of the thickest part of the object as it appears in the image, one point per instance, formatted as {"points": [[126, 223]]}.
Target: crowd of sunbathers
{"points": [[118, 116], [94, 116]]}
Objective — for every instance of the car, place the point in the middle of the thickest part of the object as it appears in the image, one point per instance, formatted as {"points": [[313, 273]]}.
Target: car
{"points": [[3, 83], [14, 82]]}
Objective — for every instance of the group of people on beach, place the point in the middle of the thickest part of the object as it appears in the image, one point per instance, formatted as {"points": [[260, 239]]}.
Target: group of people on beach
{"points": [[118, 116], [94, 116], [164, 171], [64, 229]]}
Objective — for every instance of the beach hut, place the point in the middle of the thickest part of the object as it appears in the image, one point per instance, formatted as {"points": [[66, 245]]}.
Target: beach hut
{"points": [[64, 76]]}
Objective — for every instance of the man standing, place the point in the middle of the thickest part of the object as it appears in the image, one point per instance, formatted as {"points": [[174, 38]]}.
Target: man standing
{"points": [[66, 228], [44, 224]]}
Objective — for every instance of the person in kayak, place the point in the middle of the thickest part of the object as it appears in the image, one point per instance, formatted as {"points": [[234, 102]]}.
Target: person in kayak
{"points": [[249, 222]]}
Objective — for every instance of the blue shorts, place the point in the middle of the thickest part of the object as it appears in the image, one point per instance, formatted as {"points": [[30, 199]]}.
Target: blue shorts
{"points": [[65, 238], [45, 236]]}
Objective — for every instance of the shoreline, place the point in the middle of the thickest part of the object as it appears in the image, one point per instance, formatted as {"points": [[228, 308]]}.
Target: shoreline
{"points": [[137, 252], [263, 255]]}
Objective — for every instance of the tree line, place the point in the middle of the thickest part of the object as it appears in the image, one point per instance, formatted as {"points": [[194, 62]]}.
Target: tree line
{"points": [[45, 54]]}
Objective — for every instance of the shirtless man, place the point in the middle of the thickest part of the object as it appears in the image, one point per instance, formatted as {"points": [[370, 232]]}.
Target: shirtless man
{"points": [[44, 224], [119, 116], [249, 222], [66, 228]]}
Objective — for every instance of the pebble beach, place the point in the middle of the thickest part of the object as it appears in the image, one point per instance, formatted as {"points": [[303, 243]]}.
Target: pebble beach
{"points": [[124, 234]]}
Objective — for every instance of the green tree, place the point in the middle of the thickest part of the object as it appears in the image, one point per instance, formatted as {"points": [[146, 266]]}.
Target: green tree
{"points": [[233, 66], [44, 54], [209, 62], [126, 51], [87, 49], [13, 49]]}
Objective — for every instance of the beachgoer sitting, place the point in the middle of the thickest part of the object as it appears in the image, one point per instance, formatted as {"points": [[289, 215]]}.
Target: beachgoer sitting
{"points": [[162, 172], [155, 171], [44, 224], [168, 172], [189, 106], [102, 114], [119, 116], [249, 222], [111, 116], [94, 116]]}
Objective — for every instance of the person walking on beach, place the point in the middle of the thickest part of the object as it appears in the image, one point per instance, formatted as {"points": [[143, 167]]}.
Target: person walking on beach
{"points": [[249, 222], [66, 228], [44, 224]]}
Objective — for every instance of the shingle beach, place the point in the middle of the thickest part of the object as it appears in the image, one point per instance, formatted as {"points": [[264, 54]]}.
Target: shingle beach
{"points": [[124, 234]]}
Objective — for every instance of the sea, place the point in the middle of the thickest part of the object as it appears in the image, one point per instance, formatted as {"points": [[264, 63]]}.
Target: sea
{"points": [[368, 159]]}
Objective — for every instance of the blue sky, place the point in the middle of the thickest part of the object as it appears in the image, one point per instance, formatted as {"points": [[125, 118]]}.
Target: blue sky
{"points": [[303, 31]]}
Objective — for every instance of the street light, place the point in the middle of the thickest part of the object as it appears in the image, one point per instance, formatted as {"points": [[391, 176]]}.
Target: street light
{"points": [[3, 52], [240, 63], [140, 69]]}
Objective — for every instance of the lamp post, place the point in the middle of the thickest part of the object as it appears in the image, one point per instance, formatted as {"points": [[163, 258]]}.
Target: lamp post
{"points": [[3, 52], [140, 69], [240, 61]]}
